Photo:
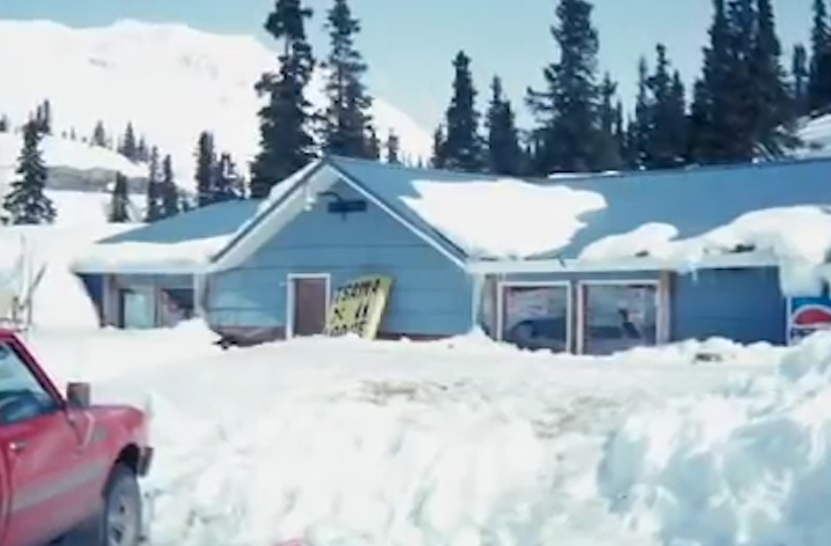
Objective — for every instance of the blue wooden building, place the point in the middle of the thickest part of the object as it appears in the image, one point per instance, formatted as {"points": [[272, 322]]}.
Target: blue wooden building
{"points": [[342, 218], [145, 277]]}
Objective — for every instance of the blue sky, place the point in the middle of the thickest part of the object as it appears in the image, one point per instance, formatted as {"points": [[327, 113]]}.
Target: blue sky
{"points": [[409, 44]]}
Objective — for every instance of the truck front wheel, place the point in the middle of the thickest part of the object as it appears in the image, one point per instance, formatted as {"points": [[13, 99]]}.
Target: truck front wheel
{"points": [[121, 519]]}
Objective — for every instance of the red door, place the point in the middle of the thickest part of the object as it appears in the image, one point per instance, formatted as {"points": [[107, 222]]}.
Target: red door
{"points": [[310, 302], [50, 485]]}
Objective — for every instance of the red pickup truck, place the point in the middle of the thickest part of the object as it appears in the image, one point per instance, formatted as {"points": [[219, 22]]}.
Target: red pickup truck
{"points": [[66, 464]]}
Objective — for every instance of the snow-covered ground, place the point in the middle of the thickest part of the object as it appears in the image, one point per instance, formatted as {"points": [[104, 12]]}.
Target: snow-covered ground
{"points": [[816, 136], [464, 442], [169, 80]]}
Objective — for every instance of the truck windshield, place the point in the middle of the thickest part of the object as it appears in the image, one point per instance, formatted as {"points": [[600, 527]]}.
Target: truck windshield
{"points": [[22, 396]]}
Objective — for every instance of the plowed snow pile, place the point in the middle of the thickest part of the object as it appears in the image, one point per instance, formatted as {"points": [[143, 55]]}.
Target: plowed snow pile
{"points": [[343, 442], [750, 465]]}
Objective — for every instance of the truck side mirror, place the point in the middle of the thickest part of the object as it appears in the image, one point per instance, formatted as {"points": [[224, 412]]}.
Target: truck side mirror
{"points": [[78, 394]]}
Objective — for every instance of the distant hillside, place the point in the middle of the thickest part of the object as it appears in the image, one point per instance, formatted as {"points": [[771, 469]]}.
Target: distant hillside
{"points": [[170, 80]]}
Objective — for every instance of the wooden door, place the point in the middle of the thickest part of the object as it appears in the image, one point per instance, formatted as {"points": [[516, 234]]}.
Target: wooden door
{"points": [[309, 305]]}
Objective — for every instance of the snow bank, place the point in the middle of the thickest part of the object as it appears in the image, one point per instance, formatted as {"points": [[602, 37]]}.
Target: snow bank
{"points": [[472, 215], [799, 238], [344, 441], [816, 135], [747, 466]]}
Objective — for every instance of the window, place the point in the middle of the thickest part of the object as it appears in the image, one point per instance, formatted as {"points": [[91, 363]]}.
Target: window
{"points": [[138, 308], [536, 316], [22, 396], [619, 316]]}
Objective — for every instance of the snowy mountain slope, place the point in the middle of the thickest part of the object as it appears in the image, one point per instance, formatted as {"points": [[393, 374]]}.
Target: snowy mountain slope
{"points": [[170, 80], [70, 154]]}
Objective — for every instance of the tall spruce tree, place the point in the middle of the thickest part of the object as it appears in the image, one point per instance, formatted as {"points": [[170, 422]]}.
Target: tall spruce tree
{"points": [[154, 208], [666, 135], [799, 83], [119, 211], [205, 170], [504, 151], [26, 202], [463, 146], [640, 127], [819, 83], [773, 112], [567, 109], [346, 122], [285, 143]]}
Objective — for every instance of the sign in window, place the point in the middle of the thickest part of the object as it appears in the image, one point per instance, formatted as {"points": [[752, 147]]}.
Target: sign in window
{"points": [[618, 316], [536, 316]]}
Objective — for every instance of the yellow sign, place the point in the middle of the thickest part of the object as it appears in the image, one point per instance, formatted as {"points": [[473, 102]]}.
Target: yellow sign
{"points": [[358, 306]]}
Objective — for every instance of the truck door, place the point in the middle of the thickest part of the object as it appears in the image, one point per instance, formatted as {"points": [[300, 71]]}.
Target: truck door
{"points": [[45, 468], [5, 496]]}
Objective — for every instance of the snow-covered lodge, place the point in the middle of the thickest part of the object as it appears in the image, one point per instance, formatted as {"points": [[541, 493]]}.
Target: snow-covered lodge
{"points": [[589, 264]]}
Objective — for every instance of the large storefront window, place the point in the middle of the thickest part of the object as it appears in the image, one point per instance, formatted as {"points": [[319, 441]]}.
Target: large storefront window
{"points": [[536, 317], [619, 316]]}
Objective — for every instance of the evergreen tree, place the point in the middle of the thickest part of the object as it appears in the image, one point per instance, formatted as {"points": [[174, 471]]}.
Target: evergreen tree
{"points": [[155, 192], [567, 110], [142, 150], [720, 103], [819, 83], [169, 189], [665, 143], [206, 190], [800, 74], [773, 114], [286, 145], [462, 148], [393, 149], [437, 159], [640, 127], [608, 147], [99, 135], [504, 152], [119, 212], [129, 147], [346, 123], [4, 124], [26, 202]]}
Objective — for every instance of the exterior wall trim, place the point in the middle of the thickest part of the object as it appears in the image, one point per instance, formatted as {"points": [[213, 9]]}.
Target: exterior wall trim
{"points": [[501, 285], [290, 278], [742, 260]]}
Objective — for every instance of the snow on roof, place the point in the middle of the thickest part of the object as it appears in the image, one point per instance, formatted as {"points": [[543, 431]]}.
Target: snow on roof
{"points": [[72, 154], [181, 244], [473, 215]]}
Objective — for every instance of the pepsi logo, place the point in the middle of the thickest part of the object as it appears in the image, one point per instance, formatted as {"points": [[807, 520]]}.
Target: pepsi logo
{"points": [[812, 316]]}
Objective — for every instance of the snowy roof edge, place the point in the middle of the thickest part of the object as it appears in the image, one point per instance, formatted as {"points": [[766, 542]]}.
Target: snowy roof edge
{"points": [[736, 260]]}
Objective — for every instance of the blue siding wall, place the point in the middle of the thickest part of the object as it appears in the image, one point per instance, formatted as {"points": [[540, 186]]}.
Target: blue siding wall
{"points": [[744, 305], [430, 295]]}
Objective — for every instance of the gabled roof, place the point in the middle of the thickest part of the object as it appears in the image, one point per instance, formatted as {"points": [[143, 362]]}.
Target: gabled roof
{"points": [[293, 195], [181, 244], [693, 200]]}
